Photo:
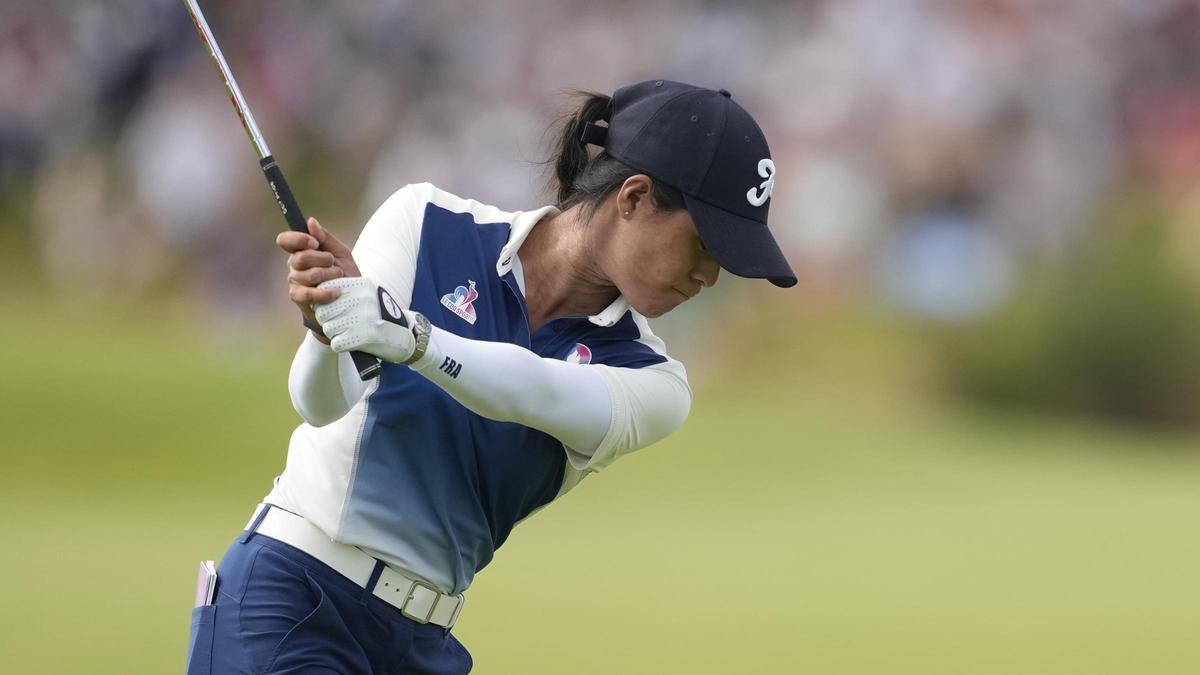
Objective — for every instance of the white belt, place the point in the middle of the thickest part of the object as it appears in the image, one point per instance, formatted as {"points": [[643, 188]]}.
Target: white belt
{"points": [[415, 599]]}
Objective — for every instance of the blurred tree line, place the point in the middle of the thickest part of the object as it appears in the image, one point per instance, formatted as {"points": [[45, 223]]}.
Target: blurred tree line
{"points": [[1114, 331]]}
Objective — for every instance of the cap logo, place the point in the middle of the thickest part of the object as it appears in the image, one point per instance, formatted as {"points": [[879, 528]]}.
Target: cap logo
{"points": [[766, 169]]}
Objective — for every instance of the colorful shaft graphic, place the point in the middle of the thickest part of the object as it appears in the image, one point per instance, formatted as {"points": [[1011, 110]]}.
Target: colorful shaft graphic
{"points": [[368, 366]]}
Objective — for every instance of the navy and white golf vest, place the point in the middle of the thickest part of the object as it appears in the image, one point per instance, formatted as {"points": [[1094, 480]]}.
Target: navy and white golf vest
{"points": [[409, 474]]}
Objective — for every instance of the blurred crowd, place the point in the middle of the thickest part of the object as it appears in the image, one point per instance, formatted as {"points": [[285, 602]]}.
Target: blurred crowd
{"points": [[928, 151]]}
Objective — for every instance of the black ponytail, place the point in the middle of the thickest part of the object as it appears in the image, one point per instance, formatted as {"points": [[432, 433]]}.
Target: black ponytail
{"points": [[583, 179], [573, 155]]}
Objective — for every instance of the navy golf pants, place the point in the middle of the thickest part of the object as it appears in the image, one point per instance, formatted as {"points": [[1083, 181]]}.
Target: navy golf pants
{"points": [[280, 610]]}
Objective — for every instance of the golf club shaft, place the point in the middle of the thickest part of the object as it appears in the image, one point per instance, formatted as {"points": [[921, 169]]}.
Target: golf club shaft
{"points": [[368, 366]]}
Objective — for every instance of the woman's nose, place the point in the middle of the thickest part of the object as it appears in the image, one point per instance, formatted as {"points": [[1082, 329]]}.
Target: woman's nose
{"points": [[707, 271]]}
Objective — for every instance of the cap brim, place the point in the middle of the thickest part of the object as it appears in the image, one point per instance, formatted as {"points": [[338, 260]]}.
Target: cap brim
{"points": [[743, 246]]}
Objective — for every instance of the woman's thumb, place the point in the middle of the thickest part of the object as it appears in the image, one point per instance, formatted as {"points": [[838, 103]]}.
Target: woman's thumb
{"points": [[328, 242], [317, 232]]}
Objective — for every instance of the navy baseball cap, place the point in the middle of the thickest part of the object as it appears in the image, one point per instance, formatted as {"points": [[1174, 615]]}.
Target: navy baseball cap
{"points": [[701, 142]]}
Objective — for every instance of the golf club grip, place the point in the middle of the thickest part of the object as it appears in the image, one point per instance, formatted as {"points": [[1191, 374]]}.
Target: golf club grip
{"points": [[367, 365], [283, 195]]}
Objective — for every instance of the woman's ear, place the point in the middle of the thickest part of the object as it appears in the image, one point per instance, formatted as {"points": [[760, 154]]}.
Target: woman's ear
{"points": [[634, 194]]}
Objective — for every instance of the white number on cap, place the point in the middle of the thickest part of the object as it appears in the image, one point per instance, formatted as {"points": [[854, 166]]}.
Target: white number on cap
{"points": [[766, 169]]}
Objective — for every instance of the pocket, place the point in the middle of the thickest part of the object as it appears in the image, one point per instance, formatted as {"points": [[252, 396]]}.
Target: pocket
{"points": [[200, 640], [321, 637], [277, 598], [466, 654], [439, 651]]}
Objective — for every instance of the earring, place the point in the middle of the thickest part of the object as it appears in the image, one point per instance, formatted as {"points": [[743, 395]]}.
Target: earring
{"points": [[626, 213]]}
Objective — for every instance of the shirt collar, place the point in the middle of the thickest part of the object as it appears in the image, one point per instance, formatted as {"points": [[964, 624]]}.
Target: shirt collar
{"points": [[522, 224]]}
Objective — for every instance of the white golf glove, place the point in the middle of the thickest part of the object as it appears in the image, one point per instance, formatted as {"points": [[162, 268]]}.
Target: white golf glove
{"points": [[366, 318]]}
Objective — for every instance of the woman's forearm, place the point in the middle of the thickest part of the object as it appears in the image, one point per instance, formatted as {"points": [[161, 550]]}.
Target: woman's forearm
{"points": [[323, 384], [504, 382]]}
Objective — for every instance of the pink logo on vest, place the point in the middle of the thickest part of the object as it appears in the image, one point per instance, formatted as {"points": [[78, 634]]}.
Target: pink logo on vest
{"points": [[460, 301], [579, 354]]}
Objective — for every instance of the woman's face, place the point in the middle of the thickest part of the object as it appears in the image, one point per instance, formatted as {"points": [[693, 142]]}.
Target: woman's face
{"points": [[660, 261]]}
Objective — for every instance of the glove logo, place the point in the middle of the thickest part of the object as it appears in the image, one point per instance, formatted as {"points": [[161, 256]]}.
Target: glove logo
{"points": [[389, 310], [766, 169], [580, 353], [390, 306], [459, 302]]}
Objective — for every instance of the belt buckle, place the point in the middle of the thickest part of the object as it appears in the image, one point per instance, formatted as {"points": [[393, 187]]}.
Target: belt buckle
{"points": [[437, 597]]}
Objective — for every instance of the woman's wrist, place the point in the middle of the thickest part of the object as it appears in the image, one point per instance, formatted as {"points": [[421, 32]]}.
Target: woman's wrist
{"points": [[422, 332], [432, 352]]}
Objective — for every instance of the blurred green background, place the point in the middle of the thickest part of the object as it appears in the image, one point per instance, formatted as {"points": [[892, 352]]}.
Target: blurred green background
{"points": [[967, 442], [818, 513]]}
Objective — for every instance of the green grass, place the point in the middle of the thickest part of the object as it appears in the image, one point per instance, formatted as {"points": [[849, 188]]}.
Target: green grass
{"points": [[821, 512]]}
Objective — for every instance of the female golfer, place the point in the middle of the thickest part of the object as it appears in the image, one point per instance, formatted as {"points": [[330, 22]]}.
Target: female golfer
{"points": [[517, 359]]}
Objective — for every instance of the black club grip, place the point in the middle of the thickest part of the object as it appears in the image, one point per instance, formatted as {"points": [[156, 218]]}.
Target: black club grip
{"points": [[368, 366]]}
